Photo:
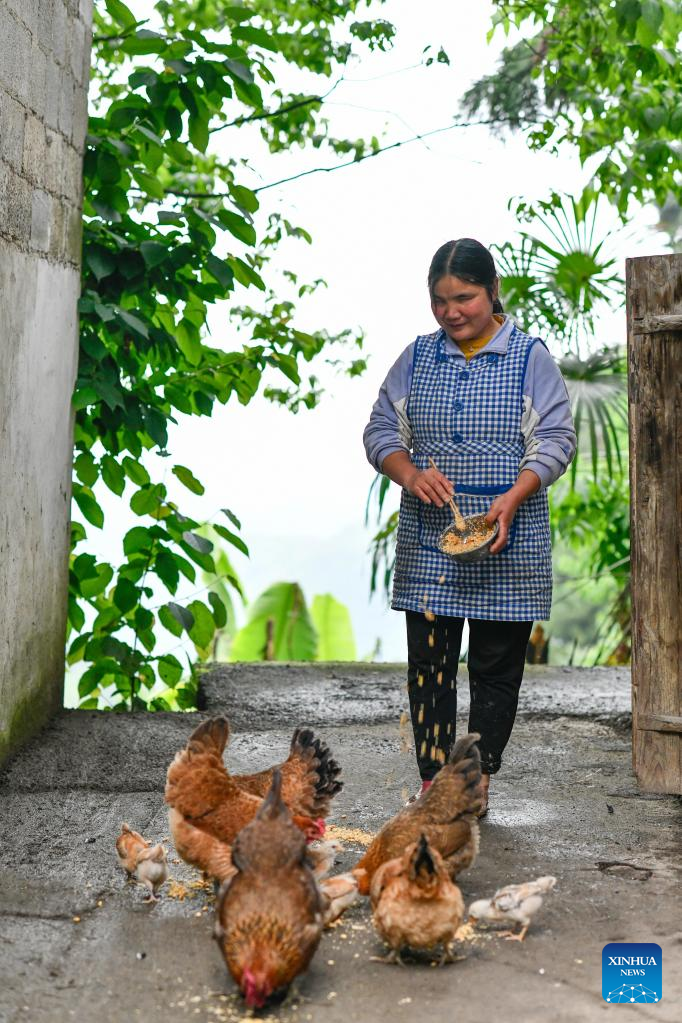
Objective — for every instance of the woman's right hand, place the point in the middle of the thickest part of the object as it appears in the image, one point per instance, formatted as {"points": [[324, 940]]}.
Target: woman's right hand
{"points": [[430, 486]]}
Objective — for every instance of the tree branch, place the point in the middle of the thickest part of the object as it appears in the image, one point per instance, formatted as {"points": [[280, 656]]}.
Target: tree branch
{"points": [[348, 163], [377, 152], [268, 114]]}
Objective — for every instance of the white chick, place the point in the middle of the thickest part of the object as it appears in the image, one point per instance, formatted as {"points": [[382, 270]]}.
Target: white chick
{"points": [[517, 902], [151, 870], [322, 855]]}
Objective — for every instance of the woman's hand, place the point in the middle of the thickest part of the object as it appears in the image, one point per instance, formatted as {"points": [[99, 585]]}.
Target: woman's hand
{"points": [[430, 486], [504, 508]]}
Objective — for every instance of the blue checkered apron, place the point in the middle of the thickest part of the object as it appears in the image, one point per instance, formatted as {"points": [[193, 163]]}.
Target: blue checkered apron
{"points": [[467, 417]]}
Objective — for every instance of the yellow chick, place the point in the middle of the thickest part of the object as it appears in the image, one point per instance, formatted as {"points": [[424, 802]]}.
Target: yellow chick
{"points": [[516, 902], [322, 855], [151, 870]]}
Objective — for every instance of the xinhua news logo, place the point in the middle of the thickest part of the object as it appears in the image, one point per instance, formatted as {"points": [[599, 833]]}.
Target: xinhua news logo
{"points": [[632, 972]]}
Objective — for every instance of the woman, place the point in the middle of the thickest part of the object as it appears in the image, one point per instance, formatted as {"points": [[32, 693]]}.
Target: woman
{"points": [[488, 404]]}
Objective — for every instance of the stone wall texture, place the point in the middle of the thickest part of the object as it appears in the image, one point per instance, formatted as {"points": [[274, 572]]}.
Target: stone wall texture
{"points": [[44, 69]]}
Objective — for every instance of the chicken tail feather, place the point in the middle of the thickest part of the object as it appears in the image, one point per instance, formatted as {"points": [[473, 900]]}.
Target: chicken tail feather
{"points": [[316, 755], [465, 747], [273, 805], [210, 737], [422, 861]]}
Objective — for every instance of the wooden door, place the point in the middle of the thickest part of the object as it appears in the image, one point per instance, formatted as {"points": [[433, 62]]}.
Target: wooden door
{"points": [[654, 313]]}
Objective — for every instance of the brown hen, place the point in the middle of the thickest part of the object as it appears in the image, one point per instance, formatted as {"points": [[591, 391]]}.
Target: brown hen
{"points": [[415, 903], [209, 806], [270, 914], [445, 814]]}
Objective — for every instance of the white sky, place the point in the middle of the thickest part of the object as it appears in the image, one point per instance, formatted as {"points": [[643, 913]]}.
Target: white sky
{"points": [[299, 483]]}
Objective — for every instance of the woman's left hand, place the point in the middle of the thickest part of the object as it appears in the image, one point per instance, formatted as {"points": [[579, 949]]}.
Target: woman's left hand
{"points": [[504, 508]]}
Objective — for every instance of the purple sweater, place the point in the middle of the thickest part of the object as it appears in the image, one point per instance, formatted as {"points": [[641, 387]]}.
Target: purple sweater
{"points": [[546, 422]]}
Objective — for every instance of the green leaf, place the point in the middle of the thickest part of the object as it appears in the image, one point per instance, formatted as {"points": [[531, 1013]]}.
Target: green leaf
{"points": [[197, 543], [92, 587], [334, 629], [156, 425], [89, 680], [232, 538], [188, 342], [279, 612], [182, 615], [85, 566], [126, 595], [89, 508], [221, 270], [135, 324], [173, 119], [75, 652], [170, 669], [198, 133], [287, 364], [167, 569], [113, 474], [107, 616], [257, 36], [83, 397], [245, 274], [150, 184], [100, 260], [655, 117], [75, 614], [90, 704], [144, 41], [652, 14], [108, 167], [238, 226], [137, 539], [147, 499], [239, 71], [86, 468], [245, 198], [219, 610], [203, 629], [232, 517], [170, 621], [135, 471], [646, 35], [188, 479], [120, 13]]}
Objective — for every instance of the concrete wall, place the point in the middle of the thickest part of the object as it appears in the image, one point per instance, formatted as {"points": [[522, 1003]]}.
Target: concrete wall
{"points": [[44, 67]]}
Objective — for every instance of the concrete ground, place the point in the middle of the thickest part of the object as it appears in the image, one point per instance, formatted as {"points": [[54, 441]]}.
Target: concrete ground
{"points": [[78, 943]]}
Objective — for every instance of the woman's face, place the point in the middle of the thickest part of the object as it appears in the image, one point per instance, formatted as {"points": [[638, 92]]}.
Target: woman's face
{"points": [[463, 310]]}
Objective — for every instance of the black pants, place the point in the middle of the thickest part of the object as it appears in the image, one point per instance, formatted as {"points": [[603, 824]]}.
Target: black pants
{"points": [[497, 652]]}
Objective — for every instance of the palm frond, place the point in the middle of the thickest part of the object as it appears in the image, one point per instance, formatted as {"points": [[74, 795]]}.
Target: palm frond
{"points": [[557, 276], [597, 391]]}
